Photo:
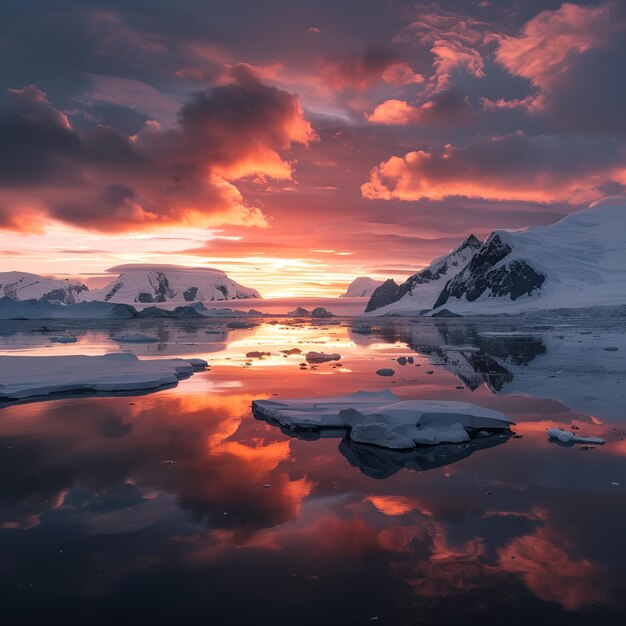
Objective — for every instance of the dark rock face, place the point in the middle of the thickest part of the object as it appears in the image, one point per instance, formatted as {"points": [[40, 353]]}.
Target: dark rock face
{"points": [[383, 295], [116, 287], [389, 292], [162, 289], [145, 297], [321, 312], [190, 294], [514, 280], [65, 296]]}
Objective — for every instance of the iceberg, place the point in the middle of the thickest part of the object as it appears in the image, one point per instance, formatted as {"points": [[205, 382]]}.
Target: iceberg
{"points": [[383, 419]]}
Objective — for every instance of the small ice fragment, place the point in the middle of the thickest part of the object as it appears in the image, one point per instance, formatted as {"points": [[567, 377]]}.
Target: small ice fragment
{"points": [[565, 436], [385, 371], [256, 354], [321, 357]]}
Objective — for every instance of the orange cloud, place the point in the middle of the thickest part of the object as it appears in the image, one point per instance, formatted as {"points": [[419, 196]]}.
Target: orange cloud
{"points": [[394, 113], [512, 167], [450, 107], [104, 180]]}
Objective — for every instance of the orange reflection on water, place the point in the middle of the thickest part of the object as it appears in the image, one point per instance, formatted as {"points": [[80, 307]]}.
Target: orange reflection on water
{"points": [[543, 560]]}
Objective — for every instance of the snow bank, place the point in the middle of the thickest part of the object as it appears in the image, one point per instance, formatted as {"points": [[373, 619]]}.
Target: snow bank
{"points": [[382, 419], [29, 376]]}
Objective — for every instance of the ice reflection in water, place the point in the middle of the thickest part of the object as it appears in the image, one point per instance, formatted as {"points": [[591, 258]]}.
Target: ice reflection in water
{"points": [[179, 507]]}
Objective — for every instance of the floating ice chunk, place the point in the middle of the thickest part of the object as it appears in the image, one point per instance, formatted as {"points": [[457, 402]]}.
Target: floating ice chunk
{"points": [[382, 419], [565, 436], [136, 339], [322, 357], [28, 376], [385, 371]]}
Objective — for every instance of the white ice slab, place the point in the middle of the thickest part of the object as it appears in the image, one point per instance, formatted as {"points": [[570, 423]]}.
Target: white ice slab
{"points": [[28, 376], [566, 436], [382, 419]]}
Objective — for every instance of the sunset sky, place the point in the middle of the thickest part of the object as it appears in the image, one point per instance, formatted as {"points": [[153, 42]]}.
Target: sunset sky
{"points": [[297, 144]]}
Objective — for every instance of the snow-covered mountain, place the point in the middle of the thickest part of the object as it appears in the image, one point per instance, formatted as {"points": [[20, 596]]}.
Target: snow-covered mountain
{"points": [[362, 287], [420, 291], [170, 283], [24, 286], [577, 262]]}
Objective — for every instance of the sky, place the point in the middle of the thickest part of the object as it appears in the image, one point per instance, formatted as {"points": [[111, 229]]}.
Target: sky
{"points": [[297, 144]]}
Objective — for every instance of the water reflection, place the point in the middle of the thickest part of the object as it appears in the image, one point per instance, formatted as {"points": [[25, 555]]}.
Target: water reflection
{"points": [[380, 463], [179, 507]]}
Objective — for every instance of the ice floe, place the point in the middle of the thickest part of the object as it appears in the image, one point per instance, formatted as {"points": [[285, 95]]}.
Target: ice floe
{"points": [[383, 419], [29, 376], [566, 436]]}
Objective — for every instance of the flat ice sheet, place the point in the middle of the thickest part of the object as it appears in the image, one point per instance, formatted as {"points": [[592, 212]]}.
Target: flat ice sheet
{"points": [[381, 418], [28, 376]]}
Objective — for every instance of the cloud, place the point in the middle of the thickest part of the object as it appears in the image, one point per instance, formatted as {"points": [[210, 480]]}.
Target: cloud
{"points": [[103, 179], [572, 58], [456, 42], [360, 71], [450, 108], [510, 167], [549, 43]]}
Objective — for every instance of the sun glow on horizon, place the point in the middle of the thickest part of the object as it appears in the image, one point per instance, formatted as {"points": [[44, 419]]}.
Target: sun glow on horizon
{"points": [[323, 273]]}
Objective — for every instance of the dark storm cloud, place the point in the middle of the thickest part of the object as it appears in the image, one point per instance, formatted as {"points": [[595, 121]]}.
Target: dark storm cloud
{"points": [[101, 178]]}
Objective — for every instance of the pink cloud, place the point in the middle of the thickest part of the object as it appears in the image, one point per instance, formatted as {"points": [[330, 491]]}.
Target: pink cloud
{"points": [[549, 42], [450, 108]]}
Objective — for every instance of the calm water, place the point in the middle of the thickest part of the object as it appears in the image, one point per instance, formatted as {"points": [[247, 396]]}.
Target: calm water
{"points": [[178, 507]]}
